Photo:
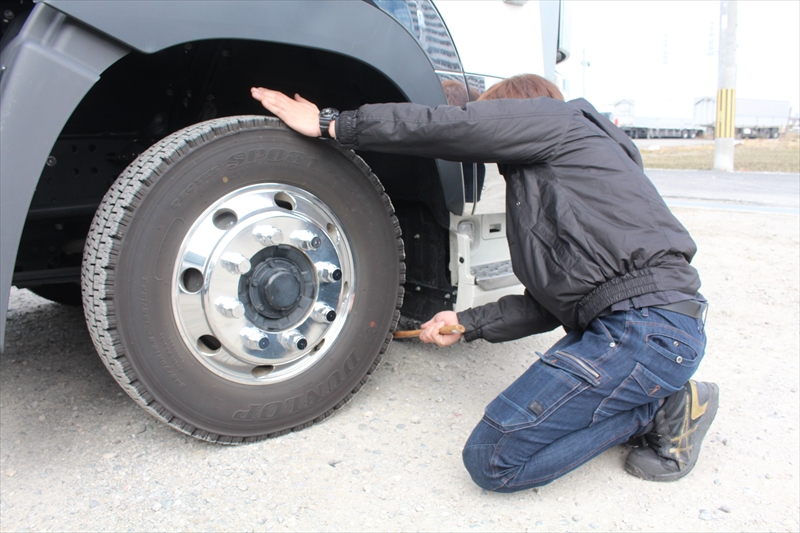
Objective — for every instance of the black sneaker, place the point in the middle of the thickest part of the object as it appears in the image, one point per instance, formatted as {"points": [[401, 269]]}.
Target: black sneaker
{"points": [[679, 427]]}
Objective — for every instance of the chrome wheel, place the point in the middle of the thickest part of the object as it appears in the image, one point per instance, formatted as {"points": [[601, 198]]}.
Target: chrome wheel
{"points": [[262, 284]]}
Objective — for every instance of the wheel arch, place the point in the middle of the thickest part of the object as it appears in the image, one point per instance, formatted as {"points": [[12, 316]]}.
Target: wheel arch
{"points": [[74, 42]]}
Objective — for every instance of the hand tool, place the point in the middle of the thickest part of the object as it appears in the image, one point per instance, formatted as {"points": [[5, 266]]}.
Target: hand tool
{"points": [[444, 330]]}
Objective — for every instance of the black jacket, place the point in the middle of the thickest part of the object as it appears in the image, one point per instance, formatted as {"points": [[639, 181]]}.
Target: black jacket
{"points": [[585, 226]]}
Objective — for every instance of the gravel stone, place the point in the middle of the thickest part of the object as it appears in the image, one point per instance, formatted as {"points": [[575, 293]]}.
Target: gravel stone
{"points": [[706, 515]]}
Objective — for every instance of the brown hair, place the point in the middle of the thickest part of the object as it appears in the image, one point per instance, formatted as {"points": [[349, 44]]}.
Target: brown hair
{"points": [[456, 93], [523, 86]]}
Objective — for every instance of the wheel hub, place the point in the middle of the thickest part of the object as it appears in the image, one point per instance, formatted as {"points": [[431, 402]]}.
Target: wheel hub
{"points": [[280, 289]]}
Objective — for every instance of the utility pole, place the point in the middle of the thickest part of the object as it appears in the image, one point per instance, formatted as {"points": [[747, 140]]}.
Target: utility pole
{"points": [[726, 87]]}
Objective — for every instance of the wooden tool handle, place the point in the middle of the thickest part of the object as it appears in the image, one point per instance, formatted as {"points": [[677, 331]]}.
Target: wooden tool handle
{"points": [[444, 330]]}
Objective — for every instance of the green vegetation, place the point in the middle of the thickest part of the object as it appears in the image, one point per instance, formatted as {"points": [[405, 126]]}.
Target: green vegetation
{"points": [[754, 155]]}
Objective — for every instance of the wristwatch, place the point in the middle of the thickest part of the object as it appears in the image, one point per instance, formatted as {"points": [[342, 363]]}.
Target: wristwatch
{"points": [[326, 116]]}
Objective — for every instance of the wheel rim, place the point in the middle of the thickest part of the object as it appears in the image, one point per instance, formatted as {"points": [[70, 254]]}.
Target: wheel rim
{"points": [[262, 284]]}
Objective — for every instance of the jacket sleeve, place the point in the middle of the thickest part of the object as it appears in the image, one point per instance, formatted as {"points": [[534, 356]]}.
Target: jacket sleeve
{"points": [[497, 131], [509, 318]]}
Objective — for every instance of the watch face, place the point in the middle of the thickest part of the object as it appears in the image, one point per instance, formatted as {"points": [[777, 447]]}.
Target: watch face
{"points": [[329, 112], [326, 116]]}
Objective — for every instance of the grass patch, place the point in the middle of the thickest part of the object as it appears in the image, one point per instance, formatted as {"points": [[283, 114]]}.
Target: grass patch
{"points": [[753, 155]]}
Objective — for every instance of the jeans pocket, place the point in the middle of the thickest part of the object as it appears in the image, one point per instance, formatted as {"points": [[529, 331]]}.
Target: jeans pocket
{"points": [[675, 346], [651, 384], [613, 327], [532, 397], [641, 387], [574, 364]]}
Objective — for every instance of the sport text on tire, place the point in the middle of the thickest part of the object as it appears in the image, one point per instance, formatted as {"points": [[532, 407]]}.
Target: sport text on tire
{"points": [[241, 281]]}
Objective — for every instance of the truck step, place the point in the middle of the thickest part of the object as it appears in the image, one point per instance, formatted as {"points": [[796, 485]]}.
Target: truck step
{"points": [[494, 275]]}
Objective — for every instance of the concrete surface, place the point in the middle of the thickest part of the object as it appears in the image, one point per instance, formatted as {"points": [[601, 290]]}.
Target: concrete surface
{"points": [[777, 192], [755, 191]]}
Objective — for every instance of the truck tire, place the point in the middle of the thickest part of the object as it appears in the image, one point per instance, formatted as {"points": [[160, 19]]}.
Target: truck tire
{"points": [[241, 281]]}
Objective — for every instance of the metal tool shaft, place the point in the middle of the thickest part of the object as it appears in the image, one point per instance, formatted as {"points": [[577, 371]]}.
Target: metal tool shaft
{"points": [[444, 330]]}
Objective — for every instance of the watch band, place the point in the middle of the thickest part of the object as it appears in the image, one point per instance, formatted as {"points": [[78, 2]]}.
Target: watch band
{"points": [[326, 116]]}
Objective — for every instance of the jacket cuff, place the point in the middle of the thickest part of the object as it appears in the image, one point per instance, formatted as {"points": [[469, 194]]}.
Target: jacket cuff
{"points": [[473, 332], [346, 128]]}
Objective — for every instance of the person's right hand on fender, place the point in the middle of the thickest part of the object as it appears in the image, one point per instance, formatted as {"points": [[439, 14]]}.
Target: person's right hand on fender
{"points": [[430, 329], [298, 113]]}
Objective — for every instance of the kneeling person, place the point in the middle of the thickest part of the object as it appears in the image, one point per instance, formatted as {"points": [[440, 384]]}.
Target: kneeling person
{"points": [[599, 253]]}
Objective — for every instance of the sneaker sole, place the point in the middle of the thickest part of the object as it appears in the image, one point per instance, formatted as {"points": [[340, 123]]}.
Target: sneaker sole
{"points": [[702, 429]]}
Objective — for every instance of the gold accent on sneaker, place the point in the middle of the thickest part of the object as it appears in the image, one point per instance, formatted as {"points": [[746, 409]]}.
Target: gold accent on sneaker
{"points": [[698, 409], [673, 445]]}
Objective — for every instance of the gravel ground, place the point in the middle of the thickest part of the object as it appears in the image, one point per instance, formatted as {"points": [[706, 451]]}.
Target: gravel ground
{"points": [[77, 455]]}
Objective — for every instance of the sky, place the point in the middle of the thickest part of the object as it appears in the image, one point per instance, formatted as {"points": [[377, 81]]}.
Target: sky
{"points": [[664, 54]]}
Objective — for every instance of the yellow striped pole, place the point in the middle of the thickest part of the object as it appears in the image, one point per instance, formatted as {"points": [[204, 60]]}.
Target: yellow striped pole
{"points": [[726, 85], [726, 113]]}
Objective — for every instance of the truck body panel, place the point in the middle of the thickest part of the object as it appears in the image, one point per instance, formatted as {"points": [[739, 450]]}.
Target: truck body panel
{"points": [[638, 127], [754, 118], [62, 61]]}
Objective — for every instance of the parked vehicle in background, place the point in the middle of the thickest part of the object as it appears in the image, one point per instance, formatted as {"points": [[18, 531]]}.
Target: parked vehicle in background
{"points": [[240, 281], [636, 127], [765, 119]]}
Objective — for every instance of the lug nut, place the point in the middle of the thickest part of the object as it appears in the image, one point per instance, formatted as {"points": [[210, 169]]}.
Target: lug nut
{"points": [[230, 307], [305, 240], [292, 339], [328, 272], [323, 313], [235, 263], [254, 338], [268, 235]]}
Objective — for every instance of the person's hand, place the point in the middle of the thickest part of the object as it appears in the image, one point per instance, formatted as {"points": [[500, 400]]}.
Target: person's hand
{"points": [[298, 113], [430, 329]]}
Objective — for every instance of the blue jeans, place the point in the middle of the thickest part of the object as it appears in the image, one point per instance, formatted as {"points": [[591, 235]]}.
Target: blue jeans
{"points": [[593, 390]]}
